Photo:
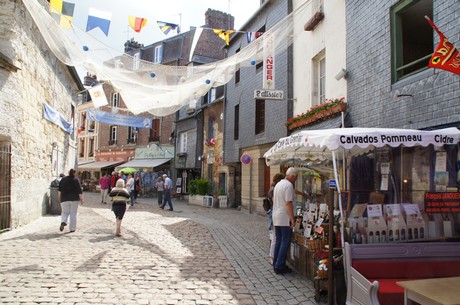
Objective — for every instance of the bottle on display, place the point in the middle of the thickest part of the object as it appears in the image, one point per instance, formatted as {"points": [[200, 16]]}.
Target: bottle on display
{"points": [[357, 235], [390, 236]]}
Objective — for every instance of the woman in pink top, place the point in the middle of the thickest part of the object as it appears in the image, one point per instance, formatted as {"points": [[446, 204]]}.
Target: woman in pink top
{"points": [[104, 182]]}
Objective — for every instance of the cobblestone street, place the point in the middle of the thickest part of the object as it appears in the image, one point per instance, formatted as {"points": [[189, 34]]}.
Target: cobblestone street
{"points": [[193, 255]]}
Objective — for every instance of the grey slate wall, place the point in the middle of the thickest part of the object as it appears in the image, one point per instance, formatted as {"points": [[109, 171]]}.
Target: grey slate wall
{"points": [[276, 112], [374, 101]]}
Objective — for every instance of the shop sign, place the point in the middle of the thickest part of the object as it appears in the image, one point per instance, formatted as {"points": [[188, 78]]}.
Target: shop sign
{"points": [[442, 202], [332, 184], [269, 94]]}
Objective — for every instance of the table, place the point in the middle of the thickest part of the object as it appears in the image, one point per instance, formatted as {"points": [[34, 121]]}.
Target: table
{"points": [[436, 291]]}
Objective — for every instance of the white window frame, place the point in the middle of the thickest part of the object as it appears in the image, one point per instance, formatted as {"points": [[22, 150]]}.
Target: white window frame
{"points": [[322, 80], [115, 100], [113, 133], [212, 95], [158, 55], [183, 143], [136, 61]]}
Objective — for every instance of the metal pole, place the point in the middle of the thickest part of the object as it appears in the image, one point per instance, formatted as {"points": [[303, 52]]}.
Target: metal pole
{"points": [[250, 188]]}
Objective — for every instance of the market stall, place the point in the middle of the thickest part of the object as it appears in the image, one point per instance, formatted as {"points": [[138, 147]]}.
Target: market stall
{"points": [[385, 185]]}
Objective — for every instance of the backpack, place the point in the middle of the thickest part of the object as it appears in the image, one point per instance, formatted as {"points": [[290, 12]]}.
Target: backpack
{"points": [[267, 205]]}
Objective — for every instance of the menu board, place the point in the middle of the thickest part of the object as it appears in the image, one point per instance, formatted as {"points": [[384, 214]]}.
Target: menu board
{"points": [[442, 202]]}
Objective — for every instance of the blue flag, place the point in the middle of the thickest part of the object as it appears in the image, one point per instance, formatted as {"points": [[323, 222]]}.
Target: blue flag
{"points": [[99, 19], [119, 119]]}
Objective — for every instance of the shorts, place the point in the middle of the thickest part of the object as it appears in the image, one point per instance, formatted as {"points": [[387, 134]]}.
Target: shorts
{"points": [[119, 209]]}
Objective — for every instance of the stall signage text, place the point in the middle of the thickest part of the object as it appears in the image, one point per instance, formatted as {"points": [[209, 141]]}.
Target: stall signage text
{"points": [[445, 202], [388, 139]]}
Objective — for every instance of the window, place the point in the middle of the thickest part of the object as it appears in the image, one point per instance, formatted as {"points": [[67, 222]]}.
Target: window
{"points": [[113, 135], [158, 56], [115, 99], [211, 95], [183, 143], [319, 79], [236, 123], [322, 81], [136, 61], [155, 131], [411, 37], [211, 128], [91, 147], [132, 133], [260, 116], [82, 148], [237, 71]]}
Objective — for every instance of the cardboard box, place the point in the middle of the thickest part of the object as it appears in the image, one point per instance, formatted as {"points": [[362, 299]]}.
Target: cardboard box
{"points": [[377, 228], [395, 221], [416, 227]]}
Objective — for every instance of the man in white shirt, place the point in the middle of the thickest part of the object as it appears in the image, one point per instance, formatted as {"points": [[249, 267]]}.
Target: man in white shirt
{"points": [[130, 188], [283, 219], [167, 192]]}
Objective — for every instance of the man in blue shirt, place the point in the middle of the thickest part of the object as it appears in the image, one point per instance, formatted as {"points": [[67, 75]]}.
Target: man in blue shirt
{"points": [[167, 192]]}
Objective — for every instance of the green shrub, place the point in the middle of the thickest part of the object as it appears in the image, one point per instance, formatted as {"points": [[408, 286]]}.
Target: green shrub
{"points": [[192, 187], [202, 186]]}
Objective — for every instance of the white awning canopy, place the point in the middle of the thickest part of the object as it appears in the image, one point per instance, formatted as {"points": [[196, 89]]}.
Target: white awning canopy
{"points": [[315, 145], [143, 163], [98, 165]]}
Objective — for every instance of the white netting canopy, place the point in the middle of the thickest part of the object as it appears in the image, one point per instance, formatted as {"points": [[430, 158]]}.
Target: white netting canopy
{"points": [[158, 89]]}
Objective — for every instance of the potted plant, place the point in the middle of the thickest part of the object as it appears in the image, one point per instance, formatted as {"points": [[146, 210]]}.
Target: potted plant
{"points": [[321, 111]]}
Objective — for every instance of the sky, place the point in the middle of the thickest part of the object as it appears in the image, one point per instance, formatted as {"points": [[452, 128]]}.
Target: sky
{"points": [[187, 13]]}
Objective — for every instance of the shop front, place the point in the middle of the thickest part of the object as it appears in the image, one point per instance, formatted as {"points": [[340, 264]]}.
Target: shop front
{"points": [[369, 186]]}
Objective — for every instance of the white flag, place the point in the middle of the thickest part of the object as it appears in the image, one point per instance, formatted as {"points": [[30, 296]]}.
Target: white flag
{"points": [[269, 61], [98, 96]]}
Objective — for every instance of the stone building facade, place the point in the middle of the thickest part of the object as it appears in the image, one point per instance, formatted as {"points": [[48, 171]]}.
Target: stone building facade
{"points": [[34, 150]]}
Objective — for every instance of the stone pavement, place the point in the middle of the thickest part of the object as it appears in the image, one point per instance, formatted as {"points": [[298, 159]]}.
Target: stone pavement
{"points": [[193, 255]]}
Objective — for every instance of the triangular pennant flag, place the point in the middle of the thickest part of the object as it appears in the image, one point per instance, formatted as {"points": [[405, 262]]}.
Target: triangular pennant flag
{"points": [[62, 12], [98, 96], [251, 36], [165, 27], [99, 19], [446, 56], [137, 23], [225, 35]]}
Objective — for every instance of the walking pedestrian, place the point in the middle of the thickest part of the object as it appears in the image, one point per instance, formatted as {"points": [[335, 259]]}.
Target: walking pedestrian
{"points": [[104, 183], [277, 178], [283, 219], [167, 192], [160, 187], [113, 180], [119, 197], [130, 188], [69, 195], [137, 186]]}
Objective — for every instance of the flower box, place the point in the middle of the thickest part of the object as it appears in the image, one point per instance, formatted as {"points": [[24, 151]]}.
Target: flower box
{"points": [[318, 113]]}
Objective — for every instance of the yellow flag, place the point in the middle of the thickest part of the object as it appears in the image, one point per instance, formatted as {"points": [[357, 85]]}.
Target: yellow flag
{"points": [[225, 35]]}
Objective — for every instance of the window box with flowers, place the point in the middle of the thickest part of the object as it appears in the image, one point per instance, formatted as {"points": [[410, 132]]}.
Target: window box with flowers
{"points": [[317, 113]]}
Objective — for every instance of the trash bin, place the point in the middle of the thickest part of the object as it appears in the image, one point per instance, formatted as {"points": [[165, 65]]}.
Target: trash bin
{"points": [[55, 205]]}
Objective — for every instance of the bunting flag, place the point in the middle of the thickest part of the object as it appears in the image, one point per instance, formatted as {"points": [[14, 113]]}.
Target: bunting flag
{"points": [[225, 35], [165, 27], [62, 12], [55, 117], [98, 19], [137, 23], [196, 37], [251, 36], [446, 56], [119, 119], [98, 96]]}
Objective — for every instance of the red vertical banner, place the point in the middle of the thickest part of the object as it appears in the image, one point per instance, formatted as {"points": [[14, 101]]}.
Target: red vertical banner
{"points": [[446, 56]]}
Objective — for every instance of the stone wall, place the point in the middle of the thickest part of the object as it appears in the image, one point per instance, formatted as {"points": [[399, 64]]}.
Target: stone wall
{"points": [[35, 161]]}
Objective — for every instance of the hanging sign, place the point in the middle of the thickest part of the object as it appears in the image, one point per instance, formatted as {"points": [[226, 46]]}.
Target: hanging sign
{"points": [[268, 94], [246, 159]]}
